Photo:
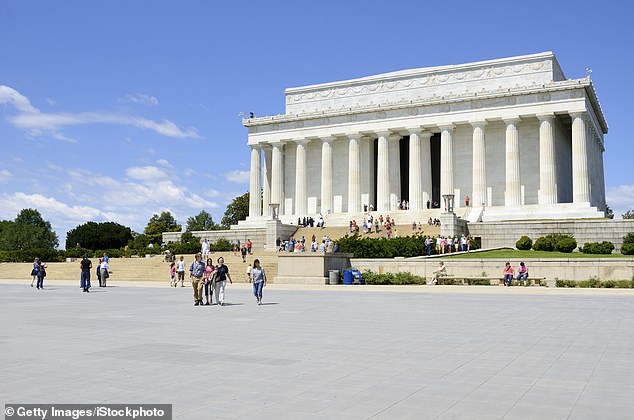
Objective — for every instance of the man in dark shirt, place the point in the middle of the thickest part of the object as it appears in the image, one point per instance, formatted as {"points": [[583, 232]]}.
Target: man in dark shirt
{"points": [[85, 265]]}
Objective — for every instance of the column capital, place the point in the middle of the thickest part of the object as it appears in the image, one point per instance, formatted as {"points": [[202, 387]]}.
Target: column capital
{"points": [[447, 127], [383, 133], [302, 141], [547, 116], [256, 146], [394, 137], [414, 130], [581, 114], [478, 123], [354, 135], [327, 139], [511, 120]]}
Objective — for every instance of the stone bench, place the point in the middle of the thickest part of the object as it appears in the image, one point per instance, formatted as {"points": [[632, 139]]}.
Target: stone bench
{"points": [[493, 281]]}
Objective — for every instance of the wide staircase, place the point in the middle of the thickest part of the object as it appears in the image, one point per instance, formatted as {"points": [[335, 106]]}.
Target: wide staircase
{"points": [[152, 269]]}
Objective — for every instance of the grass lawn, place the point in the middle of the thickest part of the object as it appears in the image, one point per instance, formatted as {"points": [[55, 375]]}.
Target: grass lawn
{"points": [[511, 254]]}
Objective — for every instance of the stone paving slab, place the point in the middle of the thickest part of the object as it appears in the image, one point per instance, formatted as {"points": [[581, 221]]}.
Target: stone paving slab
{"points": [[323, 352]]}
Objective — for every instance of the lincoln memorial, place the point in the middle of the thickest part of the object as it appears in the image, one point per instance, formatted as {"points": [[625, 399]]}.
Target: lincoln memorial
{"points": [[514, 136]]}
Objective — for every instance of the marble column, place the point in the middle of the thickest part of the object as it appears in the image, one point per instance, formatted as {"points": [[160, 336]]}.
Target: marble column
{"points": [[547, 163], [479, 172], [326, 176], [580, 180], [415, 170], [446, 160], [354, 180], [601, 175], [382, 173], [394, 170], [266, 176], [255, 181], [277, 176], [425, 159], [513, 193], [300, 178]]}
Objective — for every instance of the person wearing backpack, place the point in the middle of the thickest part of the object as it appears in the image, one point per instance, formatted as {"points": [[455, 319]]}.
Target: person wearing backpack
{"points": [[36, 268], [85, 266], [41, 273]]}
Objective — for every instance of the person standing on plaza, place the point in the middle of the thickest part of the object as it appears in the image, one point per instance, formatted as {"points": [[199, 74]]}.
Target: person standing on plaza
{"points": [[41, 273], [196, 273], [172, 274], [86, 266], [104, 271], [222, 274], [249, 247], [522, 274], [208, 281], [180, 272], [36, 268], [98, 271], [508, 274], [259, 280]]}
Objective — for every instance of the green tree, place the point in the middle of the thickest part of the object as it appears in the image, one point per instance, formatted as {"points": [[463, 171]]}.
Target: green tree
{"points": [[158, 224], [203, 221], [28, 231], [609, 214], [91, 235], [628, 214], [238, 209]]}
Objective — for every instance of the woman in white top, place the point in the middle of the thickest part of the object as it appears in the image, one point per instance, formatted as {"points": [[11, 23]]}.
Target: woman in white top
{"points": [[103, 272], [259, 280]]}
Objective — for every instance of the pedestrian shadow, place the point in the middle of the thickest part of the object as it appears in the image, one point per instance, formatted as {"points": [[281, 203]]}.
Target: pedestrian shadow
{"points": [[232, 304], [270, 303]]}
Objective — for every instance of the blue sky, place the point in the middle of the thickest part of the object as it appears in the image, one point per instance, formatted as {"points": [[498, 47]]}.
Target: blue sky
{"points": [[116, 110]]}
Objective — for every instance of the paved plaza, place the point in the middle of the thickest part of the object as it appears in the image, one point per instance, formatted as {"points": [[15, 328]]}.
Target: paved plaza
{"points": [[324, 354]]}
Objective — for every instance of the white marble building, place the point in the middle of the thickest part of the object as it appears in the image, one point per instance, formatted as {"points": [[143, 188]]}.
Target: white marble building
{"points": [[512, 134]]}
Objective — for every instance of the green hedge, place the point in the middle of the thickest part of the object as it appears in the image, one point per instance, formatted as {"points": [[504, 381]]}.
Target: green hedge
{"points": [[596, 283], [604, 247], [370, 277], [28, 255], [555, 242], [404, 246]]}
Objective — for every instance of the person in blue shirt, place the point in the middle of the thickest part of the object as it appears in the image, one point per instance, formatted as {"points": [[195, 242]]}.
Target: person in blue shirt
{"points": [[196, 272], [222, 274]]}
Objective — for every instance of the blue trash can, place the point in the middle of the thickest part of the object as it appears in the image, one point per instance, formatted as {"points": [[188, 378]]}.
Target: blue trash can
{"points": [[348, 278]]}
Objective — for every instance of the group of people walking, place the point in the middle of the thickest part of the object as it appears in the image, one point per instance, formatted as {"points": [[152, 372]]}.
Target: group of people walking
{"points": [[38, 273], [102, 272], [209, 280]]}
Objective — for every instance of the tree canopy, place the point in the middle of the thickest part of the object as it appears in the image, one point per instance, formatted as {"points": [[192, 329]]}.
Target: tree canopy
{"points": [[93, 236], [158, 224], [28, 231], [628, 214], [202, 221], [238, 209]]}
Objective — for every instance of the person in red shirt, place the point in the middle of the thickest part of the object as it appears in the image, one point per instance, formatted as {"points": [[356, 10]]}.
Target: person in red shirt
{"points": [[508, 274]]}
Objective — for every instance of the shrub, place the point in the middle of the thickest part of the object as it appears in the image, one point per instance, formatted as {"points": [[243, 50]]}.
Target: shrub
{"points": [[604, 247], [627, 249], [404, 246], [370, 277], [566, 245], [221, 245], [596, 283], [524, 243], [543, 244], [555, 242], [629, 238], [27, 255], [183, 247]]}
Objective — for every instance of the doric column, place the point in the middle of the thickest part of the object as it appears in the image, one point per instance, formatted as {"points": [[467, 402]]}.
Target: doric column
{"points": [[512, 196], [446, 160], [300, 178], [415, 170], [382, 173], [277, 176], [326, 175], [266, 176], [425, 159], [395, 170], [580, 181], [255, 197], [601, 174], [479, 174], [354, 180], [547, 164]]}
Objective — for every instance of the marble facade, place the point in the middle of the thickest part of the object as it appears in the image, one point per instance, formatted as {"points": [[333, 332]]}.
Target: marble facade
{"points": [[512, 134]]}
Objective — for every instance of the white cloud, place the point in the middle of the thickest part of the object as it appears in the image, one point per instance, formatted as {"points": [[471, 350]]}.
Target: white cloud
{"points": [[141, 98], [620, 199], [164, 162], [146, 173], [39, 123], [51, 102], [239, 177], [5, 175], [14, 98]]}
